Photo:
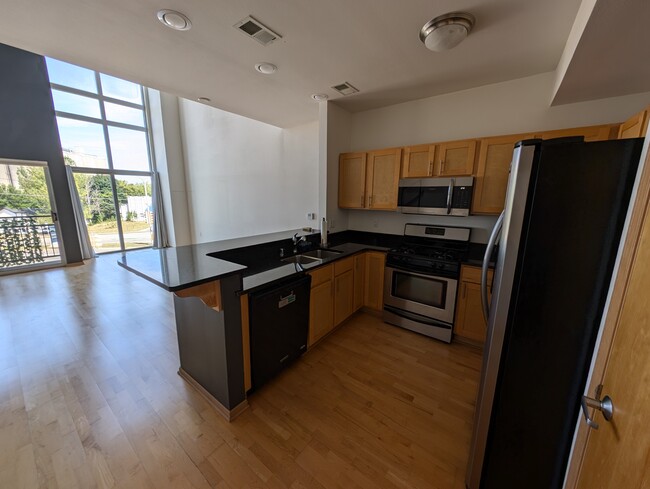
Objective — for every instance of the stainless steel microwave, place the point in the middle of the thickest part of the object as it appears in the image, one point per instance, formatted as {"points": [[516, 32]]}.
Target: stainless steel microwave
{"points": [[436, 196]]}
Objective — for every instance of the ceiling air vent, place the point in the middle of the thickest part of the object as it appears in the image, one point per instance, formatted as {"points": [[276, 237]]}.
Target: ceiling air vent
{"points": [[345, 88], [257, 30]]}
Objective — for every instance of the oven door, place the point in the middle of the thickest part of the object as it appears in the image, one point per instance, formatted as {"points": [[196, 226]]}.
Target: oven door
{"points": [[429, 296]]}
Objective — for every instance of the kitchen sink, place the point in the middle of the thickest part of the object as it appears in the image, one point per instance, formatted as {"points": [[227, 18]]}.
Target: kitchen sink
{"points": [[301, 259], [321, 254]]}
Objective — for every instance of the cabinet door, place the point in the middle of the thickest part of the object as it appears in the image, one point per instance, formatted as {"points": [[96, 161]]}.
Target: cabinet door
{"points": [[469, 316], [359, 278], [492, 169], [590, 133], [635, 126], [417, 161], [321, 314], [382, 178], [352, 180], [374, 286], [456, 158], [343, 296]]}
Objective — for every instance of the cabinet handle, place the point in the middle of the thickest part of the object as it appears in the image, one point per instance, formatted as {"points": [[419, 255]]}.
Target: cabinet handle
{"points": [[442, 166], [370, 201], [363, 199], [430, 168]]}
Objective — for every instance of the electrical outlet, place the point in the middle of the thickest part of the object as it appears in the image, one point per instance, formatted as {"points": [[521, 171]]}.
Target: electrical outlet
{"points": [[311, 216], [332, 224], [375, 223]]}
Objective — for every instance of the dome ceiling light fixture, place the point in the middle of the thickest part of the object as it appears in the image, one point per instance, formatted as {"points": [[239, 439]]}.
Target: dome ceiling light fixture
{"points": [[446, 31], [266, 68], [174, 20]]}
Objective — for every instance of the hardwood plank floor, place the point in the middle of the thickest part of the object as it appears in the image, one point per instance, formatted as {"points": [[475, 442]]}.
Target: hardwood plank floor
{"points": [[90, 398]]}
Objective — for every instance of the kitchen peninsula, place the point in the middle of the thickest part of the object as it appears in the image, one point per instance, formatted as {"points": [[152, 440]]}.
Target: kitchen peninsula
{"points": [[208, 281]]}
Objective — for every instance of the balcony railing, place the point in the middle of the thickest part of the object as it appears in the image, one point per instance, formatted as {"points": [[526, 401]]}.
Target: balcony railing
{"points": [[27, 240]]}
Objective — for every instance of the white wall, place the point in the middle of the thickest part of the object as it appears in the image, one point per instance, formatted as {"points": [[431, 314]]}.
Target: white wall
{"points": [[168, 156], [504, 108], [244, 177], [338, 141]]}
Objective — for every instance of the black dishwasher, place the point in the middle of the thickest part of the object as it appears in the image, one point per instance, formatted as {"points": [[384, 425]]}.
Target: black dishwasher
{"points": [[279, 324]]}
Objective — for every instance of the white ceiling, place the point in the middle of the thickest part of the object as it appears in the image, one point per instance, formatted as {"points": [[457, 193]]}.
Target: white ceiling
{"points": [[372, 44]]}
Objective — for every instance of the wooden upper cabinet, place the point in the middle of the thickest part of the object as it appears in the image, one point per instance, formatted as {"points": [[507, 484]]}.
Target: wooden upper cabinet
{"points": [[635, 127], [382, 178], [352, 180], [492, 169], [456, 158], [590, 133], [417, 161]]}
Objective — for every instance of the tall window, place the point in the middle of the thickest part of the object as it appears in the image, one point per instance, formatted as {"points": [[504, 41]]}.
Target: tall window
{"points": [[105, 139]]}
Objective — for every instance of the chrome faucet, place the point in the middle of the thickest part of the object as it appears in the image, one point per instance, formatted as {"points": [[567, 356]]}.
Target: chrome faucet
{"points": [[297, 239]]}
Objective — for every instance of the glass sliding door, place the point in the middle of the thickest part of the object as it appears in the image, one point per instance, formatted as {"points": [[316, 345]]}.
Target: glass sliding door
{"points": [[29, 228], [135, 210]]}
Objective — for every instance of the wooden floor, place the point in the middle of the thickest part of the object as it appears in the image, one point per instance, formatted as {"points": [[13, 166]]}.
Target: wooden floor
{"points": [[89, 397]]}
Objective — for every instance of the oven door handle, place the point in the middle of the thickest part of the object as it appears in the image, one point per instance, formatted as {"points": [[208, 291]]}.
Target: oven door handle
{"points": [[434, 276], [494, 237]]}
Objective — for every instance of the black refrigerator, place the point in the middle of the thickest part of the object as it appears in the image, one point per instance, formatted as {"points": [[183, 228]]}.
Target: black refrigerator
{"points": [[566, 206]]}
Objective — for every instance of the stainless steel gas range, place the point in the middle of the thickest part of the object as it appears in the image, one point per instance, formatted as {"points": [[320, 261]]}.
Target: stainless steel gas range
{"points": [[421, 279]]}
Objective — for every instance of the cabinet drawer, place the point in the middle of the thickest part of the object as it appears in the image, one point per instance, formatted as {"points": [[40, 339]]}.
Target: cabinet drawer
{"points": [[320, 275], [342, 266], [473, 274]]}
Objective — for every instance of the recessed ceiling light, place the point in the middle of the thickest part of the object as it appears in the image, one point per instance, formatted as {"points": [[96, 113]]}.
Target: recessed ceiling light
{"points": [[204, 99], [174, 20], [446, 31], [266, 68], [319, 97]]}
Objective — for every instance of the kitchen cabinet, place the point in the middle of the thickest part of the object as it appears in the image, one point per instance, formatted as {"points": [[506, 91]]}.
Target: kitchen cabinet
{"points": [[382, 178], [469, 323], [492, 170], [352, 180], [590, 133], [417, 161], [369, 180], [321, 312], [374, 280], [635, 127], [343, 289], [359, 279], [456, 158]]}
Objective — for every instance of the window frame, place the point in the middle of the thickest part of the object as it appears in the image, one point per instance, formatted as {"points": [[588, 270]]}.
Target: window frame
{"points": [[105, 124]]}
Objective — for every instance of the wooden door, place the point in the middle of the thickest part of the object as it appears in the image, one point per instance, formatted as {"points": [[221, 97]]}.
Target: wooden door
{"points": [[456, 158], [492, 169], [352, 180], [590, 133], [382, 178], [321, 303], [618, 453], [343, 296], [374, 283], [635, 126], [359, 278], [417, 161]]}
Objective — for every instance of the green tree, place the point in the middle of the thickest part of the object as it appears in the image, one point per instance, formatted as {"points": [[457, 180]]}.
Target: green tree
{"points": [[32, 184]]}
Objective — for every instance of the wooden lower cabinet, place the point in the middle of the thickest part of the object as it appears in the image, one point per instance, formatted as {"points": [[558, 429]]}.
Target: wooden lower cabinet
{"points": [[359, 280], [374, 282], [470, 323], [321, 310], [343, 289]]}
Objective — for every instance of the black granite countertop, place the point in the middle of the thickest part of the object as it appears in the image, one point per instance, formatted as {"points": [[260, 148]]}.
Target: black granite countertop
{"points": [[177, 268], [259, 264]]}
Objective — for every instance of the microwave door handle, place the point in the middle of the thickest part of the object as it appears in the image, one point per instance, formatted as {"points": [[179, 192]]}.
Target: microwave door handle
{"points": [[494, 237], [450, 193]]}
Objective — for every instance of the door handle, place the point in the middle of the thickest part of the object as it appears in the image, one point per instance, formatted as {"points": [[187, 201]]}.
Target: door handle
{"points": [[494, 236], [450, 194], [604, 405]]}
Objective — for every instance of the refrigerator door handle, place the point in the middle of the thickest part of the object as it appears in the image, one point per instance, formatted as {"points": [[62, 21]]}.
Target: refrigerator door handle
{"points": [[494, 237]]}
